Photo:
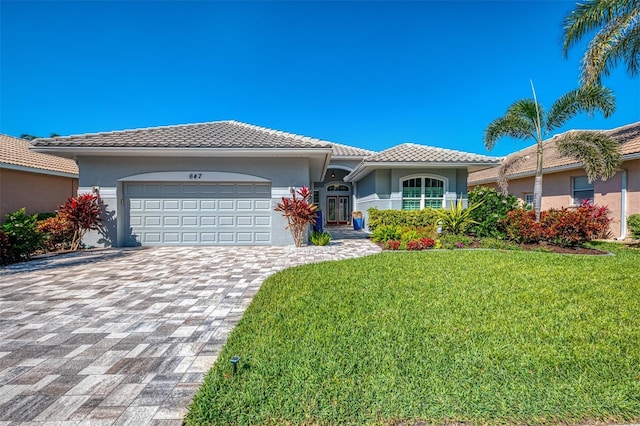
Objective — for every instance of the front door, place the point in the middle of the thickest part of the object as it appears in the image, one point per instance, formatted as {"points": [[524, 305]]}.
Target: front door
{"points": [[338, 210]]}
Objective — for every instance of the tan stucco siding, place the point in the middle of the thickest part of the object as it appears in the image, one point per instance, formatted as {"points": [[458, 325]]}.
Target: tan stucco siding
{"points": [[633, 187], [557, 192], [37, 192]]}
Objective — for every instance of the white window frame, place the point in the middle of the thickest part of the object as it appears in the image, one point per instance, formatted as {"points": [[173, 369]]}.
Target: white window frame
{"points": [[422, 177], [574, 189], [528, 200]]}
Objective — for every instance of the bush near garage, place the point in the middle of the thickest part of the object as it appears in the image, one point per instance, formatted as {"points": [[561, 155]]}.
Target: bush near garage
{"points": [[58, 233], [21, 237]]}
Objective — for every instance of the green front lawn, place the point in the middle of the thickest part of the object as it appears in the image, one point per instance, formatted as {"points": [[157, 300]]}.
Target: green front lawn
{"points": [[439, 336]]}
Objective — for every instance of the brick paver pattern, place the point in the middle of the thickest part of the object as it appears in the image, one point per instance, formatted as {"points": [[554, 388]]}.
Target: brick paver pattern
{"points": [[125, 336]]}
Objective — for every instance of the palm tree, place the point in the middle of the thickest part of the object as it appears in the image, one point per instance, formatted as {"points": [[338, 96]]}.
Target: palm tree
{"points": [[525, 119], [617, 38]]}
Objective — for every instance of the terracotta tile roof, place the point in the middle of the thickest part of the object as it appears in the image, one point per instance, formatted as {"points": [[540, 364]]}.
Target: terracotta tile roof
{"points": [[216, 134], [340, 150], [628, 136], [16, 152], [414, 153]]}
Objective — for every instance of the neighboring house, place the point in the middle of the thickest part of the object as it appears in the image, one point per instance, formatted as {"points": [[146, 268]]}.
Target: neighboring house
{"points": [[218, 182], [565, 183], [37, 182]]}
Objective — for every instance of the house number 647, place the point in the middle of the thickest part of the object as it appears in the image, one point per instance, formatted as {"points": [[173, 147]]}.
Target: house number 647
{"points": [[195, 176]]}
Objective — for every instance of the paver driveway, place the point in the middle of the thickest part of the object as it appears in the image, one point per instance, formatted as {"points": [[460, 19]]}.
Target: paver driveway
{"points": [[126, 336]]}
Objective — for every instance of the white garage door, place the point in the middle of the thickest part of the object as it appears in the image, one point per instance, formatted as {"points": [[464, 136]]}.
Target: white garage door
{"points": [[199, 213]]}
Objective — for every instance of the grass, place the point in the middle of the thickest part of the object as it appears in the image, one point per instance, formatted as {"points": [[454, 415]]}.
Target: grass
{"points": [[483, 337]]}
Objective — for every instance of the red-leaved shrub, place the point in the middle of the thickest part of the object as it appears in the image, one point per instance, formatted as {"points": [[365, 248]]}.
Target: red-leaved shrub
{"points": [[83, 213], [392, 245], [299, 212], [58, 232], [562, 227], [521, 226]]}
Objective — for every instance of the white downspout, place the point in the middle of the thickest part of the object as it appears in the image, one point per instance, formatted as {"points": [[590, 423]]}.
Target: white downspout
{"points": [[623, 206]]}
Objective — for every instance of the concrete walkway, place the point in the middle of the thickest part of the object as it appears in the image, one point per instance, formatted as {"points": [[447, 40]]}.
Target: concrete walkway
{"points": [[125, 337]]}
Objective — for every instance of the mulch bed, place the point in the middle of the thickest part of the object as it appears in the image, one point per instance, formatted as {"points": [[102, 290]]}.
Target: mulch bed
{"points": [[542, 247]]}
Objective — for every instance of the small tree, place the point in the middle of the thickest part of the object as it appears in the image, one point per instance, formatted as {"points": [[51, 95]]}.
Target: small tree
{"points": [[299, 211], [84, 213]]}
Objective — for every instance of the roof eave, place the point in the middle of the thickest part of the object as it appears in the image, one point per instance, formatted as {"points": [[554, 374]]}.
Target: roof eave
{"points": [[366, 167], [37, 170], [74, 152]]}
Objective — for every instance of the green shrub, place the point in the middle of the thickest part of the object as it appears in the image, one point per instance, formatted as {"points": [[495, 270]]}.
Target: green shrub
{"points": [[633, 222], [456, 219], [424, 218], [7, 255], [497, 244], [493, 208], [23, 238], [320, 238], [384, 233], [452, 241]]}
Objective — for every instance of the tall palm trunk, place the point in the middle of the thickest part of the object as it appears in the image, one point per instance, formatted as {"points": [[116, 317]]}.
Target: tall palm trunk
{"points": [[537, 185]]}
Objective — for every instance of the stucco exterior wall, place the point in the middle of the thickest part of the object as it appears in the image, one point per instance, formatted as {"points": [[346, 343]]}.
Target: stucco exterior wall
{"points": [[107, 173], [382, 189], [37, 192]]}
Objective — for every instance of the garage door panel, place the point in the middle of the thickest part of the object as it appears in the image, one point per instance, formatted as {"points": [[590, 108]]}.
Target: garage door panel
{"points": [[244, 205], [189, 220], [244, 221], [151, 205], [262, 205], [226, 205], [207, 205], [152, 221], [191, 214], [226, 220], [263, 221], [171, 221], [208, 221]]}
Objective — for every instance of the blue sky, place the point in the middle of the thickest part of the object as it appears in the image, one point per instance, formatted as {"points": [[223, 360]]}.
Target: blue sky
{"points": [[367, 74]]}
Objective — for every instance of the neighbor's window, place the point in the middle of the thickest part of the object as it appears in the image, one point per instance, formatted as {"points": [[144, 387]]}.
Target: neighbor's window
{"points": [[421, 192], [316, 197], [528, 200], [582, 189]]}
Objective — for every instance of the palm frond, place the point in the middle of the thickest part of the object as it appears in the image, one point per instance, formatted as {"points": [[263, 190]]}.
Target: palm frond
{"points": [[590, 16], [596, 151], [585, 99], [613, 43], [508, 125], [506, 168]]}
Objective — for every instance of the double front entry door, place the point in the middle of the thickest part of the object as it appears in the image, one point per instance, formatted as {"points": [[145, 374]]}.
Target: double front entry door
{"points": [[338, 210]]}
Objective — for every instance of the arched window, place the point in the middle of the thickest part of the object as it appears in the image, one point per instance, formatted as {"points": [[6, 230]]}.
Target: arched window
{"points": [[421, 192]]}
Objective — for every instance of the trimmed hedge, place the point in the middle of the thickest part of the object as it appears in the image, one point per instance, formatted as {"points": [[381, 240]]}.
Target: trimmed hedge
{"points": [[414, 219], [633, 222]]}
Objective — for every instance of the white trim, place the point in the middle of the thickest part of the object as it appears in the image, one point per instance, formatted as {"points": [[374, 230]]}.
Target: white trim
{"points": [[194, 176], [36, 170], [339, 167], [623, 204], [72, 152], [365, 168], [337, 182]]}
